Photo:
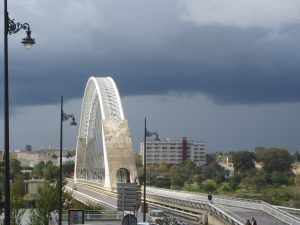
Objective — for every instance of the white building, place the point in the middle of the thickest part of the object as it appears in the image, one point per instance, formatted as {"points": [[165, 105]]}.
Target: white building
{"points": [[173, 151]]}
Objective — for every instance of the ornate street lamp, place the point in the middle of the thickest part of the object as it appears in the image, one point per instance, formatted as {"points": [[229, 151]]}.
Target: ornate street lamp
{"points": [[63, 117], [146, 134], [10, 27], [13, 28]]}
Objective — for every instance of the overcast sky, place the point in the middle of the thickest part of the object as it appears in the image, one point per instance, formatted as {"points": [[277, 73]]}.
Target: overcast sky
{"points": [[224, 72]]}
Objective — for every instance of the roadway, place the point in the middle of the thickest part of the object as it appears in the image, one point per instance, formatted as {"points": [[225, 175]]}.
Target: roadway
{"points": [[239, 213], [94, 195], [260, 216]]}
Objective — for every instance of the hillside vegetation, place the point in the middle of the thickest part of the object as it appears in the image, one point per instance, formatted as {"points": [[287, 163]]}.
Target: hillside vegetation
{"points": [[265, 174]]}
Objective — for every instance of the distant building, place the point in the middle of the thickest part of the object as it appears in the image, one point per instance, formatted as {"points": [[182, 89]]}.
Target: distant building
{"points": [[28, 148], [30, 158], [174, 151]]}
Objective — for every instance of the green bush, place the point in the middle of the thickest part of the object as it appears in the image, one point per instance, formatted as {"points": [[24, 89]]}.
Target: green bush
{"points": [[225, 187], [209, 186]]}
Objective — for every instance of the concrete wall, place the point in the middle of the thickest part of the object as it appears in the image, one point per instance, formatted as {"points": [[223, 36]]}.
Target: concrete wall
{"points": [[31, 186], [118, 149], [213, 220]]}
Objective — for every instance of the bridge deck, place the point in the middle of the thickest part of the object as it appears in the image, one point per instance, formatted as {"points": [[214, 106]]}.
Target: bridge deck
{"points": [[239, 213], [93, 195], [260, 216]]}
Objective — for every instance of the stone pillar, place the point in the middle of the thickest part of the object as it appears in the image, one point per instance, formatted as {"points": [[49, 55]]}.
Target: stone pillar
{"points": [[119, 153]]}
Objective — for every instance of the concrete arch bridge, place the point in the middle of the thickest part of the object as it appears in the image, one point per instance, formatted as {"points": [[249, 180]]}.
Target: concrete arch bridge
{"points": [[104, 157], [104, 152]]}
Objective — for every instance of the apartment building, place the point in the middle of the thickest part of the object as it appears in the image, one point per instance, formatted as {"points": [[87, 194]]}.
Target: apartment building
{"points": [[174, 151]]}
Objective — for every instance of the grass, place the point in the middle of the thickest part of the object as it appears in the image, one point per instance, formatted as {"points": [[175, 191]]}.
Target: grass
{"points": [[288, 196]]}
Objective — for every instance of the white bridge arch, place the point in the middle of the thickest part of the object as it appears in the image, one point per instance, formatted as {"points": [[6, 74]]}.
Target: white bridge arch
{"points": [[104, 150]]}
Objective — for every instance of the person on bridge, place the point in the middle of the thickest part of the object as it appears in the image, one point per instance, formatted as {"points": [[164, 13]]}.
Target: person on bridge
{"points": [[253, 222], [248, 222], [209, 197]]}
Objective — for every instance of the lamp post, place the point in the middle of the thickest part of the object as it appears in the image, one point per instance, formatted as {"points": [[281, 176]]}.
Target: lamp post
{"points": [[146, 134], [10, 27], [63, 117]]}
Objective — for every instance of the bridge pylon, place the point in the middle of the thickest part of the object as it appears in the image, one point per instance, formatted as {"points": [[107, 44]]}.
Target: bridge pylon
{"points": [[104, 149]]}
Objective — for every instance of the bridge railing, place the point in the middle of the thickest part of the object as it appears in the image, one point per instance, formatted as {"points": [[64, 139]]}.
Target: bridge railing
{"points": [[233, 219], [243, 203], [263, 206], [288, 209], [96, 215], [192, 206], [280, 214], [89, 215], [83, 198]]}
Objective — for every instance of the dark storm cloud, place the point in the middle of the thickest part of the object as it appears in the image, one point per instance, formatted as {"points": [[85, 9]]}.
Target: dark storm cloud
{"points": [[158, 55], [165, 56]]}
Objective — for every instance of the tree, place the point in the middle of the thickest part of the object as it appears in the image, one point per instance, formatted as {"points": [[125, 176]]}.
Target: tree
{"points": [[234, 182], [139, 166], [69, 154], [243, 161], [225, 187], [279, 178], [51, 173], [177, 181], [187, 168], [219, 177], [297, 182], [49, 163], [259, 153], [38, 170], [162, 182], [297, 156], [138, 161], [17, 202], [46, 203], [209, 186], [198, 180], [68, 168], [151, 174], [258, 182], [14, 168], [210, 158], [163, 167], [209, 170], [277, 159], [67, 197]]}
